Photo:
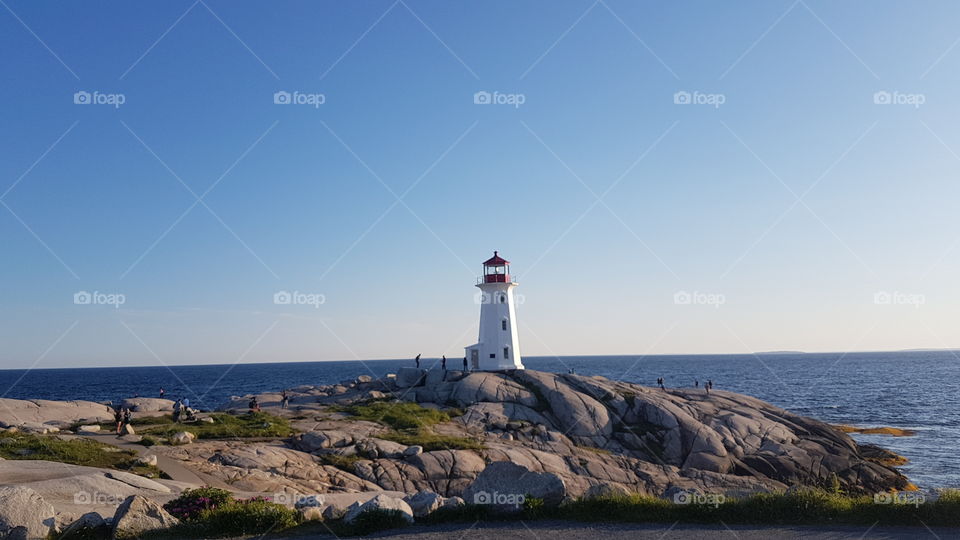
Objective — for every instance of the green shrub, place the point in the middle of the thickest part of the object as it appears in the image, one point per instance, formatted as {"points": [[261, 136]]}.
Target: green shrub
{"points": [[255, 516]]}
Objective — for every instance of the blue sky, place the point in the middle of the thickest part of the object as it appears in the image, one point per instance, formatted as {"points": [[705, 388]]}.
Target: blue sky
{"points": [[783, 211]]}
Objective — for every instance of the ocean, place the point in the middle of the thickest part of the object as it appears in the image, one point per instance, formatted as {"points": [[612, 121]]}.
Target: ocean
{"points": [[912, 390]]}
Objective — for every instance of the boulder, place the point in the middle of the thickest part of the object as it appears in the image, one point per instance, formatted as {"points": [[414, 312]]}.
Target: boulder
{"points": [[364, 378], [24, 515], [89, 429], [149, 460], [506, 485], [312, 441], [138, 515], [84, 527], [379, 448], [423, 503], [380, 502], [142, 404], [182, 437], [14, 412], [413, 451]]}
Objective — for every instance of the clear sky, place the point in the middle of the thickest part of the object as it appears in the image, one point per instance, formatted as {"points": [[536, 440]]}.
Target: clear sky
{"points": [[783, 199]]}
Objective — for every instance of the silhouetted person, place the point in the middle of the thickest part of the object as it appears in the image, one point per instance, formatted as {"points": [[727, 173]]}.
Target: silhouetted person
{"points": [[254, 405], [162, 392], [284, 399], [177, 410], [127, 415], [465, 364], [710, 384], [417, 360], [443, 363], [696, 384], [118, 418]]}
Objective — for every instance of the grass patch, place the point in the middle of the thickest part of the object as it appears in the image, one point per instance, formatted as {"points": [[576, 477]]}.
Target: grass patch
{"points": [[227, 426], [396, 414], [344, 463], [86, 452], [411, 424]]}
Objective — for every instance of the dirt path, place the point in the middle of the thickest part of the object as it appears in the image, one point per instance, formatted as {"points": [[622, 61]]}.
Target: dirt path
{"points": [[172, 467]]}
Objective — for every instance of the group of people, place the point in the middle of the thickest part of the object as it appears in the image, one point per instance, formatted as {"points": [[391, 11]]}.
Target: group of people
{"points": [[443, 362], [182, 410], [122, 417], [708, 386]]}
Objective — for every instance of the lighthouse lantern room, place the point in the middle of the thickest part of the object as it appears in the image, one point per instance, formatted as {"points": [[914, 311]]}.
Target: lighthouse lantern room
{"points": [[498, 347]]}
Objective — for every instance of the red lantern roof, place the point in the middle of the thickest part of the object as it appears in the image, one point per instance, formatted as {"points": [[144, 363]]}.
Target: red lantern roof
{"points": [[496, 260]]}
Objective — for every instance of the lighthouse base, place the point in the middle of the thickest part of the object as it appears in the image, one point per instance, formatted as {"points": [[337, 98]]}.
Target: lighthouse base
{"points": [[480, 359]]}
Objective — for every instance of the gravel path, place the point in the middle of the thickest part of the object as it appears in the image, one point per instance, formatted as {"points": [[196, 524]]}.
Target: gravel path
{"points": [[553, 530]]}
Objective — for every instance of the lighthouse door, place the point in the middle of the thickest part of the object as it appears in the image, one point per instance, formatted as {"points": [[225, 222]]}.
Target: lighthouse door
{"points": [[475, 359]]}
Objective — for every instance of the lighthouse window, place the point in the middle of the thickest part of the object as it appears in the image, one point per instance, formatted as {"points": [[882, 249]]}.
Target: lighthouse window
{"points": [[503, 324], [506, 352], [503, 299], [493, 355]]}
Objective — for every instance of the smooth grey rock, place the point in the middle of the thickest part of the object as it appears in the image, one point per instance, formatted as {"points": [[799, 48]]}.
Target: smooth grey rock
{"points": [[408, 376], [138, 481], [143, 404], [182, 437], [606, 489], [89, 429], [24, 515], [84, 526], [424, 502], [413, 451], [380, 502], [503, 481], [137, 515]]}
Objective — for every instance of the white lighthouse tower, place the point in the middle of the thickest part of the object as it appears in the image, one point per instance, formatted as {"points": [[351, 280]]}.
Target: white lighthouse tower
{"points": [[498, 347]]}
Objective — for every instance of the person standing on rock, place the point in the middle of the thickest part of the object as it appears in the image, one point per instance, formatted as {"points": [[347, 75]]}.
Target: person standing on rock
{"points": [[162, 392], [696, 383], [127, 415], [118, 418], [177, 406], [443, 363], [465, 364], [417, 360], [284, 399]]}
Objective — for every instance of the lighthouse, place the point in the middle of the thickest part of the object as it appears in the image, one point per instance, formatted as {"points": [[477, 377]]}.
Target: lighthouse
{"points": [[498, 347]]}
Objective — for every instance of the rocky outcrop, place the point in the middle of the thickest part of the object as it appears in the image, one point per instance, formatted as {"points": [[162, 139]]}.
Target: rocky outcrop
{"points": [[138, 515], [591, 430], [147, 405], [62, 414], [24, 515]]}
